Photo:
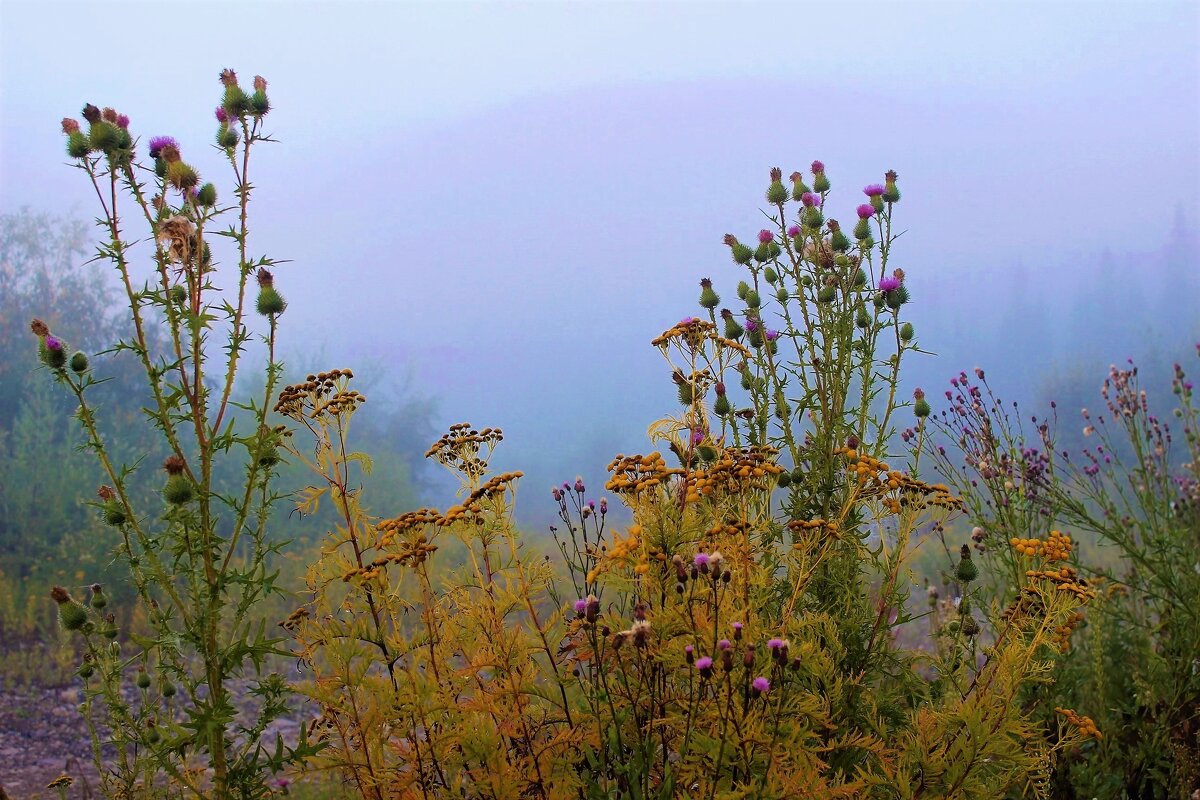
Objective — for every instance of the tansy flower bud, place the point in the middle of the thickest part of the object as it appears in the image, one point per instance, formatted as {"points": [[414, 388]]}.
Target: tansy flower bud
{"points": [[798, 187], [708, 297], [820, 182], [741, 253], [71, 614], [776, 193]]}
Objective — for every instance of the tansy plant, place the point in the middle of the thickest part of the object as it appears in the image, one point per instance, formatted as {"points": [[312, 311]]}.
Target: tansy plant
{"points": [[198, 554], [738, 639]]}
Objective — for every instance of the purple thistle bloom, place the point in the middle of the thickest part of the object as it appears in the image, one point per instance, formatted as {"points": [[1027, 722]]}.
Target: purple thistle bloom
{"points": [[724, 644], [809, 199], [775, 644], [793, 231], [771, 335], [52, 343], [752, 325], [701, 559], [765, 236], [737, 627], [157, 143], [580, 606], [704, 664], [865, 211], [222, 115], [697, 436], [874, 190], [760, 685], [817, 167], [889, 284], [689, 649], [123, 121]]}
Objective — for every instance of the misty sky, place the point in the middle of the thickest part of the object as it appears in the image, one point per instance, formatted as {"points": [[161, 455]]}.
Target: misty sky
{"points": [[505, 202]]}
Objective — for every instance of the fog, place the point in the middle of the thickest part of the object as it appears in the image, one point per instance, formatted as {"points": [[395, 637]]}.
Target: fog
{"points": [[501, 204]]}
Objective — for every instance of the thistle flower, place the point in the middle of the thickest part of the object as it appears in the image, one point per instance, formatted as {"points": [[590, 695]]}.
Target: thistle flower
{"points": [[704, 665], [810, 200], [794, 231], [890, 193], [889, 284], [737, 631], [701, 562], [865, 211], [581, 604], [689, 654], [222, 115], [158, 143], [798, 187], [71, 613], [765, 236], [760, 686], [741, 253], [776, 193], [820, 180], [873, 190], [708, 297]]}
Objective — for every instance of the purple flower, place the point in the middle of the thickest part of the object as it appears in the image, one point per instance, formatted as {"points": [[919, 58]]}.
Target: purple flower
{"points": [[580, 606], [817, 167], [765, 236], [874, 190], [701, 560], [889, 284], [724, 644], [793, 231], [52, 343], [737, 630], [157, 143], [697, 435], [775, 644], [123, 121], [865, 211], [222, 115], [771, 335], [704, 665], [752, 325], [603, 505], [760, 685], [689, 649], [809, 199]]}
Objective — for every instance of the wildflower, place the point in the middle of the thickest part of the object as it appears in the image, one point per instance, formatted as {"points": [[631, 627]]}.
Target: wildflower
{"points": [[820, 181], [697, 436], [123, 121], [158, 143], [798, 187], [701, 562], [760, 686], [708, 297], [771, 335], [889, 284], [765, 236], [724, 644], [890, 193], [794, 231], [741, 253], [689, 653], [580, 606], [776, 193], [811, 200], [640, 633], [874, 190], [270, 302], [592, 608], [865, 211], [737, 630], [704, 665], [71, 613]]}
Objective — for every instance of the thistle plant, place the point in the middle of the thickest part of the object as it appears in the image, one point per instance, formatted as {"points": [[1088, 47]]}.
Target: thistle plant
{"points": [[1134, 494], [198, 553], [738, 639]]}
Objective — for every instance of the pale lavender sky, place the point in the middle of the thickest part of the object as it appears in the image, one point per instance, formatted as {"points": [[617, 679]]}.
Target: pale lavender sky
{"points": [[511, 199]]}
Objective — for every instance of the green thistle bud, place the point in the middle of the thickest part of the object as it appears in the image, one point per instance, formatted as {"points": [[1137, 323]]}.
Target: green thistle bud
{"points": [[207, 196], [707, 453], [820, 183], [178, 490], [781, 294], [259, 104], [152, 734], [897, 297], [827, 294], [721, 406], [743, 289], [235, 101], [71, 613], [708, 297], [862, 319], [776, 193], [755, 337], [732, 329], [862, 230], [906, 332], [813, 217], [966, 571], [921, 408], [839, 242], [686, 395], [86, 670], [181, 175], [890, 193], [109, 631], [179, 295], [168, 688], [160, 167], [783, 480], [741, 253], [79, 362], [752, 299], [114, 513], [103, 135], [99, 598], [143, 679], [78, 145], [860, 278], [770, 275], [270, 302], [798, 187], [806, 281], [52, 352], [747, 380], [227, 136], [762, 252]]}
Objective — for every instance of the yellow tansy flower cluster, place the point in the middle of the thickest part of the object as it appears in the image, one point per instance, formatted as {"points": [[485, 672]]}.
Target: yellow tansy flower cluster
{"points": [[1082, 723], [1056, 547], [623, 552]]}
